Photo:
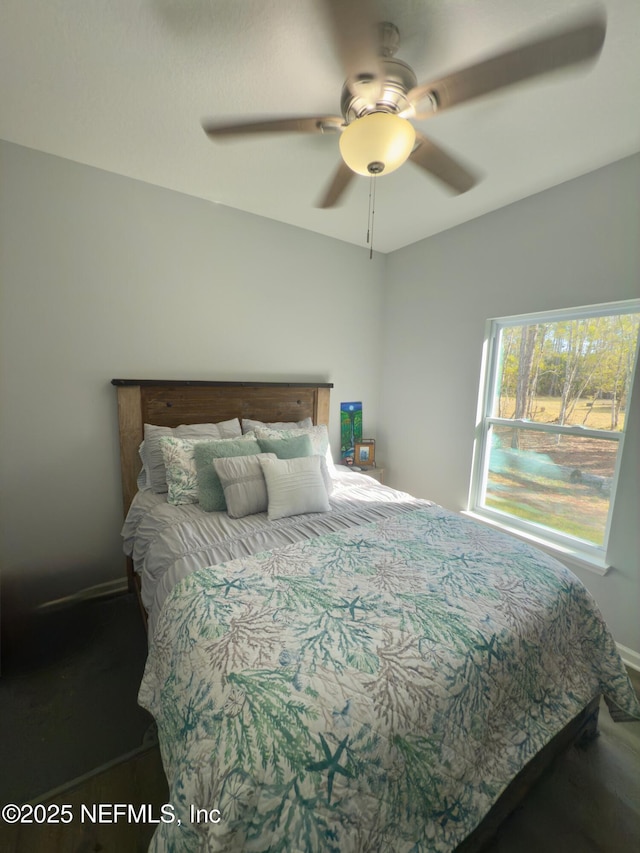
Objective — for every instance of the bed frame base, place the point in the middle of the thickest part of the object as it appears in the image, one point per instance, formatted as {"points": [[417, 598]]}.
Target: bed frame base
{"points": [[580, 730]]}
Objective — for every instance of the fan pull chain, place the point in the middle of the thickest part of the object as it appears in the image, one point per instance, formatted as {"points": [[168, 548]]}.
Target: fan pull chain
{"points": [[369, 210], [372, 212]]}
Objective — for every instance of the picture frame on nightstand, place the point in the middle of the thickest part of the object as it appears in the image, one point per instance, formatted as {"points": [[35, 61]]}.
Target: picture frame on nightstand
{"points": [[365, 453]]}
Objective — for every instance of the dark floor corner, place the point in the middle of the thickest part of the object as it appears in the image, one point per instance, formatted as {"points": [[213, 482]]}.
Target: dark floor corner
{"points": [[588, 801], [68, 691]]}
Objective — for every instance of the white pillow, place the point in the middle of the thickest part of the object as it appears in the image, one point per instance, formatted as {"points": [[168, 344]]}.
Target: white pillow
{"points": [[294, 486], [319, 436], [243, 483], [143, 481], [151, 449], [248, 425]]}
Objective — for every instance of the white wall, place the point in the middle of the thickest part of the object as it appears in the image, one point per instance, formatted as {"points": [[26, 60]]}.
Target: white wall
{"points": [[575, 244], [102, 276], [107, 277]]}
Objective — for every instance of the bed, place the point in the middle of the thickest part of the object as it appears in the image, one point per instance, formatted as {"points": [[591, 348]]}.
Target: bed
{"points": [[380, 675]]}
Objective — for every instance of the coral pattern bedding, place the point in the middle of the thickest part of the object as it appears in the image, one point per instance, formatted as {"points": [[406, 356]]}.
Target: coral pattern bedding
{"points": [[371, 689]]}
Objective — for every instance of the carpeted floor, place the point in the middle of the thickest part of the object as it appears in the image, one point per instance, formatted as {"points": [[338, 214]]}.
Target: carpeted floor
{"points": [[68, 693]]}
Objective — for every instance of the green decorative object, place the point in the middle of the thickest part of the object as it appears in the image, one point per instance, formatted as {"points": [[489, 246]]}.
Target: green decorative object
{"points": [[350, 428]]}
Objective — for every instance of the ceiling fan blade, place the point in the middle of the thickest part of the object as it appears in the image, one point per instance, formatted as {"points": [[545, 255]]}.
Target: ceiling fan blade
{"points": [[355, 33], [441, 165], [321, 124], [341, 180], [571, 46]]}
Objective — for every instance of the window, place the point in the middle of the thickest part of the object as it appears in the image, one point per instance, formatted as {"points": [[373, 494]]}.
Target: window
{"points": [[551, 421]]}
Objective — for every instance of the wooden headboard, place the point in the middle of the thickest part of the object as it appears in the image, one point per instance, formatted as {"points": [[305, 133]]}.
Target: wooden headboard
{"points": [[172, 402]]}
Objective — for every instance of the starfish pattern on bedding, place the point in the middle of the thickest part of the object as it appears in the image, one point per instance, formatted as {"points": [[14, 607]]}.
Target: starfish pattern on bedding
{"points": [[331, 763]]}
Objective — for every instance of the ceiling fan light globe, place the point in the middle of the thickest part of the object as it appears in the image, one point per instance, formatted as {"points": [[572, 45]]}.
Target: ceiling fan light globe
{"points": [[374, 139]]}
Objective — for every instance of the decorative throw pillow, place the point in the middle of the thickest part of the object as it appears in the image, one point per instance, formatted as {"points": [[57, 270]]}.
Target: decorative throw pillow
{"points": [[294, 486], [209, 488], [319, 436], [180, 469], [243, 483], [287, 448], [153, 467], [249, 425]]}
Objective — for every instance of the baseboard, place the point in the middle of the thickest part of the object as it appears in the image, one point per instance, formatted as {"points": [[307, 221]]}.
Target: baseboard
{"points": [[118, 586], [629, 657], [103, 768]]}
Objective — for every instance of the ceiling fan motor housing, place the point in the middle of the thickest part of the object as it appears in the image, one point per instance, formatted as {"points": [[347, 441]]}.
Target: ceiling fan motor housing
{"points": [[371, 96]]}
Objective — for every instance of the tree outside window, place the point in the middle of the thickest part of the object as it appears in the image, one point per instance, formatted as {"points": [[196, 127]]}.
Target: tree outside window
{"points": [[553, 416]]}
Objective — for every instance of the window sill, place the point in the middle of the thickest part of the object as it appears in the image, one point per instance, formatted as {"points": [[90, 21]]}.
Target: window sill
{"points": [[572, 557]]}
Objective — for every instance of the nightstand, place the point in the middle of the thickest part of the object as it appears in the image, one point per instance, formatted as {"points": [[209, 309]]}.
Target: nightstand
{"points": [[376, 473]]}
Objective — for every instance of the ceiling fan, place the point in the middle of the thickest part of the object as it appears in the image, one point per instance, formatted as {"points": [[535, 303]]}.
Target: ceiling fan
{"points": [[381, 95]]}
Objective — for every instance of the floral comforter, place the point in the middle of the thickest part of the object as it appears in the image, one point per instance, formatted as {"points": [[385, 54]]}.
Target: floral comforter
{"points": [[369, 690]]}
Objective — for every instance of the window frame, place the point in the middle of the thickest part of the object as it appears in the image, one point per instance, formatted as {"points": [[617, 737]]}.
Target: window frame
{"points": [[584, 552]]}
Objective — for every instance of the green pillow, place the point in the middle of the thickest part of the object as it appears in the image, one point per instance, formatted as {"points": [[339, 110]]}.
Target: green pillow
{"points": [[287, 448], [210, 491]]}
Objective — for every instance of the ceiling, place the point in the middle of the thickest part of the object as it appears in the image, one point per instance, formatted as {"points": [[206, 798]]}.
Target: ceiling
{"points": [[124, 86]]}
